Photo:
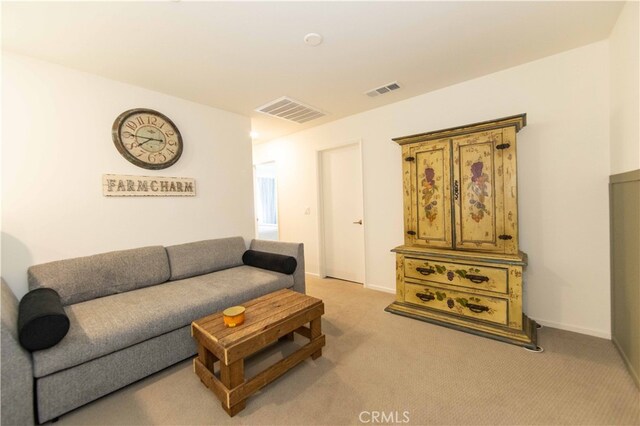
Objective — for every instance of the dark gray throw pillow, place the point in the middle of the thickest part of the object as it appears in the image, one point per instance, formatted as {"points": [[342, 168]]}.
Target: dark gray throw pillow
{"points": [[271, 261], [42, 322]]}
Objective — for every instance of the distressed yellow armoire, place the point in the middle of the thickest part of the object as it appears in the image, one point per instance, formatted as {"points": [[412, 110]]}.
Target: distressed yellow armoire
{"points": [[460, 265]]}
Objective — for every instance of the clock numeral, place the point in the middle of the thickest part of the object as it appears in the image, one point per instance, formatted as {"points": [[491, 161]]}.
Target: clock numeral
{"points": [[130, 124], [140, 120], [140, 155], [151, 119], [172, 143], [169, 133], [157, 157], [127, 135], [171, 151], [161, 125]]}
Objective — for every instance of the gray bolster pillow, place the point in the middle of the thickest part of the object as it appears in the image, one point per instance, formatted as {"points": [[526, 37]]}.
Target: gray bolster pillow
{"points": [[271, 261], [42, 322]]}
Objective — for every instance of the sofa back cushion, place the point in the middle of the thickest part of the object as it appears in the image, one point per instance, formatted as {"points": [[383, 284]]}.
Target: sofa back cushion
{"points": [[85, 278], [203, 257]]}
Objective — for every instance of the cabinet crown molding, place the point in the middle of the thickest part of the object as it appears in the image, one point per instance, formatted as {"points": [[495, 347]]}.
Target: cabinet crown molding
{"points": [[518, 121]]}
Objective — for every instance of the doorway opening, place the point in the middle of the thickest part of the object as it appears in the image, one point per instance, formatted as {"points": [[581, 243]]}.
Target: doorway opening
{"points": [[341, 211], [266, 201]]}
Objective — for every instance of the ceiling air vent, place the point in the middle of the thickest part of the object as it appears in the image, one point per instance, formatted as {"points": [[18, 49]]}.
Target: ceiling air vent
{"points": [[291, 110], [383, 89]]}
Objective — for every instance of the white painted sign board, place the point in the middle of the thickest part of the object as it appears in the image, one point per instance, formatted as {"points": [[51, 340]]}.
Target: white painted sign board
{"points": [[147, 186]]}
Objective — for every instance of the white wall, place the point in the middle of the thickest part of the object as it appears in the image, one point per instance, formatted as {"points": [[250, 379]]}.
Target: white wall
{"points": [[56, 144], [563, 157], [625, 75]]}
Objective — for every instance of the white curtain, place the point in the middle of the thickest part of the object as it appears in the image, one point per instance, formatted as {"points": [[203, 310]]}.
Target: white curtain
{"points": [[267, 201]]}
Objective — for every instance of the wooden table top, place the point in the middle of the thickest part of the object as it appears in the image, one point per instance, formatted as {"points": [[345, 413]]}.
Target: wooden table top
{"points": [[262, 314]]}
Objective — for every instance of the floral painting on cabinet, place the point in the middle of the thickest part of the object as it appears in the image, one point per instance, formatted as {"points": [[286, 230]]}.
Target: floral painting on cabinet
{"points": [[478, 191], [429, 190]]}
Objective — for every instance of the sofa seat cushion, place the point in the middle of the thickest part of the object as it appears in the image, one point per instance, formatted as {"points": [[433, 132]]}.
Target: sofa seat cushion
{"points": [[108, 324]]}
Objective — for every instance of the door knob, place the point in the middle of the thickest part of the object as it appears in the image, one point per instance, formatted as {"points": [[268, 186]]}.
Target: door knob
{"points": [[358, 222]]}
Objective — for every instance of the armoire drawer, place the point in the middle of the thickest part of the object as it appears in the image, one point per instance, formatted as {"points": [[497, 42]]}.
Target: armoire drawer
{"points": [[458, 274], [456, 302]]}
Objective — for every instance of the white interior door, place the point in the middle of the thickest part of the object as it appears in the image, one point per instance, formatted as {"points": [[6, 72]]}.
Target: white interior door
{"points": [[342, 213]]}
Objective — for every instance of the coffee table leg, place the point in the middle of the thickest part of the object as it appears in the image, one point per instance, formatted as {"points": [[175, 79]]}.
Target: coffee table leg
{"points": [[206, 358], [231, 376], [288, 336], [316, 331]]}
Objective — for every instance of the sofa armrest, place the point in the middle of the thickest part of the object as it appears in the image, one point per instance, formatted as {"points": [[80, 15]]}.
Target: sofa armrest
{"points": [[288, 249], [16, 366]]}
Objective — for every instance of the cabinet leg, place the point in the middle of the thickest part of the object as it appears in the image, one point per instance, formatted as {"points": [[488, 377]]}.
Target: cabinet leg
{"points": [[537, 350]]}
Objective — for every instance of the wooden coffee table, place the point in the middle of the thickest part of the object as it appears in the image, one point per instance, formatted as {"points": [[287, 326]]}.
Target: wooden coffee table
{"points": [[268, 318]]}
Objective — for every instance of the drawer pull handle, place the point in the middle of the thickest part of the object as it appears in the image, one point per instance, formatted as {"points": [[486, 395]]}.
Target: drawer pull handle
{"points": [[426, 271], [425, 297], [477, 308], [478, 279]]}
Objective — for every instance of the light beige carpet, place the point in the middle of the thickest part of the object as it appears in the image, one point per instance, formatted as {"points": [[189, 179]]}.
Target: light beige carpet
{"points": [[375, 361]]}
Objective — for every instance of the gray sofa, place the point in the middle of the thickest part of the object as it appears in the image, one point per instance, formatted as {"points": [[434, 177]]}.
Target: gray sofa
{"points": [[130, 313]]}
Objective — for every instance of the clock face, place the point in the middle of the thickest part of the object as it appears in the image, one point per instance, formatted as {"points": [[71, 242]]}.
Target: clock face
{"points": [[147, 138]]}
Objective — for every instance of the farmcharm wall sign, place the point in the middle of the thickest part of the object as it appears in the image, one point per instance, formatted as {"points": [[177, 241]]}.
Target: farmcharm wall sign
{"points": [[147, 186]]}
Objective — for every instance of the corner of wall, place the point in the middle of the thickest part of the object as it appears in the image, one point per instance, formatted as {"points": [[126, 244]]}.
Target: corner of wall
{"points": [[624, 72]]}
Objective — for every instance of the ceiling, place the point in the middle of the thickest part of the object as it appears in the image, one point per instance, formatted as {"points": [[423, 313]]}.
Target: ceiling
{"points": [[238, 56]]}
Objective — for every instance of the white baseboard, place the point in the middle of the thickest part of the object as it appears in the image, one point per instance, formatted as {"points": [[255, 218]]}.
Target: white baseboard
{"points": [[590, 332], [575, 329], [378, 288], [568, 327]]}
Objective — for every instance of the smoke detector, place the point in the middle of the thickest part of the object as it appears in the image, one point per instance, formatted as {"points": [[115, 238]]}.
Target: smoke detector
{"points": [[291, 110], [313, 39], [389, 87]]}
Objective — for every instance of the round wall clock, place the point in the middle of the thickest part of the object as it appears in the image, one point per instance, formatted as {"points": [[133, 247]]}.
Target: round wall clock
{"points": [[147, 138]]}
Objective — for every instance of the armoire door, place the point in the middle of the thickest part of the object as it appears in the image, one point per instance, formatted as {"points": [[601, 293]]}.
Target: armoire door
{"points": [[478, 191], [427, 171]]}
